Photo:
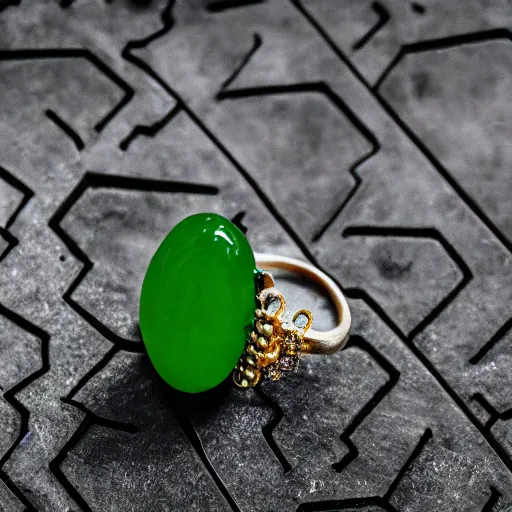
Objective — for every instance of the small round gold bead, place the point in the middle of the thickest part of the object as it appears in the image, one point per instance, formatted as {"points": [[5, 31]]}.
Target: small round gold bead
{"points": [[273, 356], [267, 330], [262, 342], [252, 350]]}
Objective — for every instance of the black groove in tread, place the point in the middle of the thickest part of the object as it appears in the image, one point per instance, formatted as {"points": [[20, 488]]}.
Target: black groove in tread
{"points": [[95, 419], [380, 501], [151, 130], [493, 500], [366, 410], [66, 128], [177, 403], [425, 438], [256, 43], [319, 87], [443, 43], [357, 183], [430, 233], [268, 428], [324, 89], [440, 44], [4, 4], [253, 183], [10, 395], [21, 187], [55, 463], [488, 346], [11, 240], [383, 18], [435, 44], [89, 420], [359, 294], [237, 220], [494, 414], [224, 5], [77, 53]]}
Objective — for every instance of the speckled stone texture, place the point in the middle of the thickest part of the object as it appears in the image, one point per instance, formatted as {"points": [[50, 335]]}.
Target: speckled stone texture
{"points": [[370, 138]]}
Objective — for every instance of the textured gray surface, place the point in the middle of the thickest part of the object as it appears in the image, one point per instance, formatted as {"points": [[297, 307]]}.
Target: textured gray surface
{"points": [[372, 138]]}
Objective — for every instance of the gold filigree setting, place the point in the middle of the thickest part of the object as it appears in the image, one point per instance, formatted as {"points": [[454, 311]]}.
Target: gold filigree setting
{"points": [[274, 346]]}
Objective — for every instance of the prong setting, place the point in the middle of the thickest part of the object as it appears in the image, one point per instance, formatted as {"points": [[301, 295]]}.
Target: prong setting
{"points": [[274, 346]]}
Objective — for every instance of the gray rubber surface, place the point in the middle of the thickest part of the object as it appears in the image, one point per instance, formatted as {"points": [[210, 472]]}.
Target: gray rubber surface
{"points": [[371, 138]]}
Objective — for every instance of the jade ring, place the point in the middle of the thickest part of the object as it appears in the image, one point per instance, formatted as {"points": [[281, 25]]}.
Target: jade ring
{"points": [[208, 308]]}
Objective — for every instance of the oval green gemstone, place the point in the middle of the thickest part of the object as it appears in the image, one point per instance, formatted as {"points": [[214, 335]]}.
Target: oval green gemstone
{"points": [[197, 302]]}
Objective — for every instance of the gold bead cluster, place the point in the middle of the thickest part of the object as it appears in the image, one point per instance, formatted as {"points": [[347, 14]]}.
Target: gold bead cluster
{"points": [[273, 346]]}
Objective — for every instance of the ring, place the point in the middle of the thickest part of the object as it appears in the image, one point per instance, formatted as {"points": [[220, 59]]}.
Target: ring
{"points": [[275, 346], [208, 308]]}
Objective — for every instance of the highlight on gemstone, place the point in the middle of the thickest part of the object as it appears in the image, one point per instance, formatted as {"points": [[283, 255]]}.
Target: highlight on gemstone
{"points": [[197, 302]]}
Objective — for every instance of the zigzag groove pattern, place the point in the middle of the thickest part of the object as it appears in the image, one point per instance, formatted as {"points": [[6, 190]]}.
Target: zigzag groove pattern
{"points": [[171, 16]]}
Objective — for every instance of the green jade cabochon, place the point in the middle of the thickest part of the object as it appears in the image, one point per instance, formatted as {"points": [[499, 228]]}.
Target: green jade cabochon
{"points": [[197, 302]]}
